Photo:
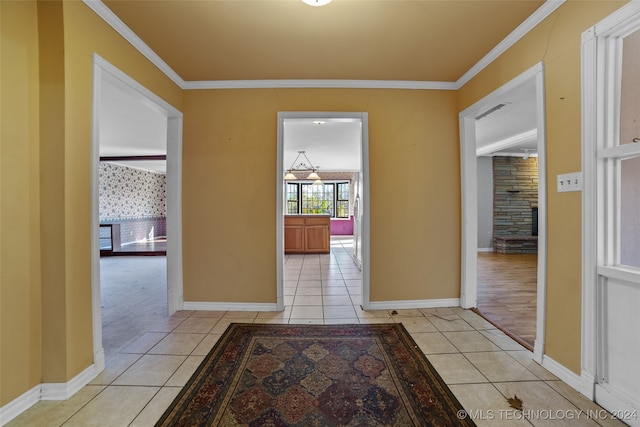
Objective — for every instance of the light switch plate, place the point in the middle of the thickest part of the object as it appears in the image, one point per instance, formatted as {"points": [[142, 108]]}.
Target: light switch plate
{"points": [[570, 182]]}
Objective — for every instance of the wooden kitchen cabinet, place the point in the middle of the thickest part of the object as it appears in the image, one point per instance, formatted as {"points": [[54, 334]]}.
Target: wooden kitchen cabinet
{"points": [[307, 234]]}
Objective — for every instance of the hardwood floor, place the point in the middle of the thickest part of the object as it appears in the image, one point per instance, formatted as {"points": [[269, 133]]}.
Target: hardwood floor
{"points": [[507, 291]]}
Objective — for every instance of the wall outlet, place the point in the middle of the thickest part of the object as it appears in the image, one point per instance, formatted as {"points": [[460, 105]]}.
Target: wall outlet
{"points": [[570, 182]]}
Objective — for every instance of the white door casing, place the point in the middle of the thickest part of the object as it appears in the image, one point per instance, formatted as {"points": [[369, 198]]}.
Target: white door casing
{"points": [[468, 167], [363, 205], [357, 222], [103, 70], [611, 290]]}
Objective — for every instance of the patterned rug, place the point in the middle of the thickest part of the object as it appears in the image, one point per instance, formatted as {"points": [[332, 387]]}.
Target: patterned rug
{"points": [[315, 375]]}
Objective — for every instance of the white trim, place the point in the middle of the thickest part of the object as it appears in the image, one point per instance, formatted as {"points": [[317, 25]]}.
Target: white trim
{"points": [[96, 303], [19, 404], [625, 409], [105, 71], [280, 213], [174, 213], [468, 166], [469, 196], [620, 23], [230, 306], [301, 83], [63, 391], [541, 302], [622, 273], [572, 379], [47, 391], [524, 137], [121, 28], [507, 154], [596, 43], [531, 22], [422, 303], [485, 249], [620, 152], [365, 226], [589, 206], [363, 117]]}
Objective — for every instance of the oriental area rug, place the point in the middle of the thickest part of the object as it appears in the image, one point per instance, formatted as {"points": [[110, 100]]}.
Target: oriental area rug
{"points": [[315, 375]]}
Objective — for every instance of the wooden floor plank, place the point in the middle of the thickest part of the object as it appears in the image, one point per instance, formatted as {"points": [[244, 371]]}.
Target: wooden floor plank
{"points": [[507, 293]]}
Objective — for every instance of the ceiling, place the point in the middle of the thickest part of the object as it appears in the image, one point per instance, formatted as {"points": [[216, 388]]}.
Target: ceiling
{"points": [[347, 39], [321, 140], [245, 40], [509, 126]]}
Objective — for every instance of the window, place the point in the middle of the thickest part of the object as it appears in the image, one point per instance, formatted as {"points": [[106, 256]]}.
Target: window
{"points": [[317, 199], [326, 198], [292, 198], [342, 200]]}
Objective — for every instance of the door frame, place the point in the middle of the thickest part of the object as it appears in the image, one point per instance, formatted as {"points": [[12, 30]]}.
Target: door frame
{"points": [[364, 172], [105, 71], [468, 163], [600, 58]]}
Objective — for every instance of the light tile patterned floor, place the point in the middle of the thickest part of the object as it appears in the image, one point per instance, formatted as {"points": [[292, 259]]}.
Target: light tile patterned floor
{"points": [[482, 366]]}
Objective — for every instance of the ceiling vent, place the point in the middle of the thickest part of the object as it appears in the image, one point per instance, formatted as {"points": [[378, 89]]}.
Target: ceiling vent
{"points": [[491, 110]]}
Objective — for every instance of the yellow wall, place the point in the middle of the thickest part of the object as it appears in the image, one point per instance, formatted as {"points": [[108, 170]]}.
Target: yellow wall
{"points": [[557, 42], [229, 218], [84, 34], [19, 203], [45, 180]]}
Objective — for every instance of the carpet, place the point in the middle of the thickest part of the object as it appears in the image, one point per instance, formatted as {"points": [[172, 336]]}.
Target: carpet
{"points": [[315, 375]]}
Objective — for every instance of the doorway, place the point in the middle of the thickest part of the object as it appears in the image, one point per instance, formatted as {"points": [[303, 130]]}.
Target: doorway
{"points": [[106, 75], [511, 148], [324, 147]]}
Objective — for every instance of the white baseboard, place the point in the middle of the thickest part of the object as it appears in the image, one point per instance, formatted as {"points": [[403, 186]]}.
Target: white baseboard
{"points": [[568, 376], [63, 391], [404, 304], [19, 405], [538, 351], [47, 391], [588, 384], [485, 249], [229, 306]]}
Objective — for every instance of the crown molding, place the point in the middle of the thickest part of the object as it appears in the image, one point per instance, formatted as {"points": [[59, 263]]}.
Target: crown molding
{"points": [[527, 25], [121, 28], [116, 23], [350, 84], [524, 137]]}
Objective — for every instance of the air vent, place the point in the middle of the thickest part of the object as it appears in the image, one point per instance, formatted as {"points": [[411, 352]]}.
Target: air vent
{"points": [[491, 110]]}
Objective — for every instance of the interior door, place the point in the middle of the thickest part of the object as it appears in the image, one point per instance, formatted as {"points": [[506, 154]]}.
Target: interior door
{"points": [[618, 241]]}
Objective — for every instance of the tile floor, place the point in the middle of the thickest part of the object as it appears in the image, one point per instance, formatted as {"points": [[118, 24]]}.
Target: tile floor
{"points": [[481, 365]]}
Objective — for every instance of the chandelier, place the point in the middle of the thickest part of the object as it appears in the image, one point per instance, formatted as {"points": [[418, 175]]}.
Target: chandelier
{"points": [[303, 166]]}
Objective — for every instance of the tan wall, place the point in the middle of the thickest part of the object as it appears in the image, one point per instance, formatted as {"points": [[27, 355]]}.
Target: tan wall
{"points": [[47, 50], [557, 42], [230, 235], [85, 33], [19, 203]]}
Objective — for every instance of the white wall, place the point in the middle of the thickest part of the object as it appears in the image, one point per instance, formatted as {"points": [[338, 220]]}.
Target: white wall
{"points": [[485, 203]]}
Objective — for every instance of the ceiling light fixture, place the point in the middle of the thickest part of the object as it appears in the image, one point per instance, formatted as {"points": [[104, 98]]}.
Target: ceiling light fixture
{"points": [[303, 167], [316, 2]]}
